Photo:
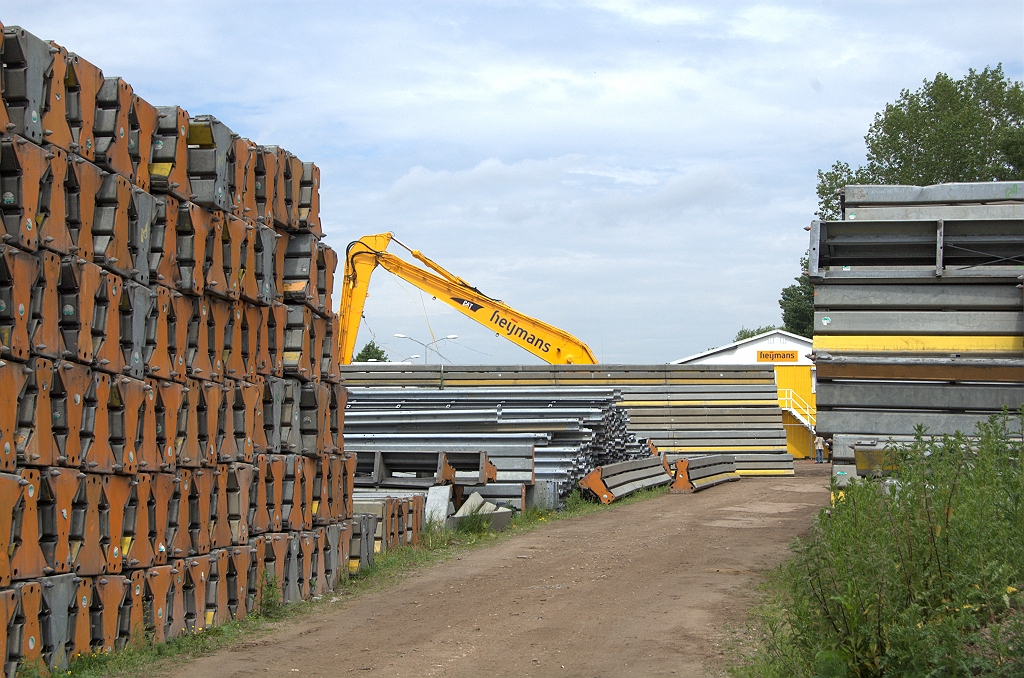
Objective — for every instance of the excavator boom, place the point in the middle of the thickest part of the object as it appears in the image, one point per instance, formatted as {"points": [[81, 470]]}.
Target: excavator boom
{"points": [[545, 341]]}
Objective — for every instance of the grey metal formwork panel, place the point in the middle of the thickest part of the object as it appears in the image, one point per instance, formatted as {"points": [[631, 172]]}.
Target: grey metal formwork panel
{"points": [[919, 322], [875, 423], [978, 191], [908, 395], [931, 212], [843, 444], [968, 297]]}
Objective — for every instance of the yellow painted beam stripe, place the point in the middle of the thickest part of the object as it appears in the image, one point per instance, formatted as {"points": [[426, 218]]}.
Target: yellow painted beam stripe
{"points": [[568, 381], [750, 449], [919, 344], [767, 402], [766, 472]]}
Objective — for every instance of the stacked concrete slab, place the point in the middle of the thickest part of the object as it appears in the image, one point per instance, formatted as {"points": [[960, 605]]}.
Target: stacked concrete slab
{"points": [[171, 431], [919, 313]]}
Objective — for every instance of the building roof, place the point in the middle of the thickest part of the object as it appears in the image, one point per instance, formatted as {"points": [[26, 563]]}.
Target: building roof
{"points": [[750, 340]]}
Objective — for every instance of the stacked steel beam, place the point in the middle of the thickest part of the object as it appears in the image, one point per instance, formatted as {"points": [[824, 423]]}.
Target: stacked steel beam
{"points": [[684, 410], [529, 434], [918, 311], [174, 405]]}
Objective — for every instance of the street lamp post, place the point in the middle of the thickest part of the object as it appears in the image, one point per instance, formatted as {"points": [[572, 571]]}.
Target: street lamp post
{"points": [[428, 347]]}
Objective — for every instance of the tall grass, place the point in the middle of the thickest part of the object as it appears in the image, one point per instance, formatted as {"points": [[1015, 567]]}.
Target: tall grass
{"points": [[919, 574]]}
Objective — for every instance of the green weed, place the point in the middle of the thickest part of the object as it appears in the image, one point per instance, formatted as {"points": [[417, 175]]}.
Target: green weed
{"points": [[919, 574]]}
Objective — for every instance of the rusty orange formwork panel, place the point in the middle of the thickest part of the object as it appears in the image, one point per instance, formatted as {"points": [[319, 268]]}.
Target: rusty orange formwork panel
{"points": [[220, 522], [187, 452], [237, 580], [142, 123], [265, 498], [137, 548], [289, 187], [177, 536], [163, 589], [275, 556], [197, 351], [80, 281], [116, 491], [339, 397], [256, 574], [297, 496], [329, 371], [16, 301], [209, 141], [193, 228], [27, 559], [131, 618], [200, 497], [224, 441], [235, 343], [110, 224], [167, 335], [55, 118], [248, 420], [84, 181], [79, 620], [317, 584], [109, 593], [68, 388], [163, 242], [266, 177], [238, 489], [241, 160], [291, 393], [106, 324], [33, 439], [23, 169], [248, 283], [54, 234], [169, 397], [275, 322], [132, 411], [216, 325], [161, 487], [168, 169], [214, 280], [217, 593], [43, 324], [8, 609], [681, 483], [112, 127], [211, 395], [307, 562], [227, 255], [10, 496], [87, 553], [57, 492], [253, 342], [97, 456], [197, 574], [25, 641], [309, 199], [81, 83]]}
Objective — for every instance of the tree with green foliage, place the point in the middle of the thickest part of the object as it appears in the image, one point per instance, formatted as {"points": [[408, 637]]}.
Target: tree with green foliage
{"points": [[747, 333], [970, 129], [371, 352], [797, 304]]}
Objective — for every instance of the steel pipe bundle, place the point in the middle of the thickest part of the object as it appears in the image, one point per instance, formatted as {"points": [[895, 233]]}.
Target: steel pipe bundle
{"points": [[919, 318], [172, 431]]}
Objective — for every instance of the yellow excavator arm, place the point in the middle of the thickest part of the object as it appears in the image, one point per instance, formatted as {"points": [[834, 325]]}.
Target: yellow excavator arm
{"points": [[362, 256]]}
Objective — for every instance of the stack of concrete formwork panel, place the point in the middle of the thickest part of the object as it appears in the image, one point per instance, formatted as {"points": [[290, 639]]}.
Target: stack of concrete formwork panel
{"points": [[167, 437], [683, 410], [919, 314]]}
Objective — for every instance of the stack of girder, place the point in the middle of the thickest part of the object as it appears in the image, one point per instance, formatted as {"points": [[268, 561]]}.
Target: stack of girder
{"points": [[684, 410], [174, 405], [918, 311], [530, 434]]}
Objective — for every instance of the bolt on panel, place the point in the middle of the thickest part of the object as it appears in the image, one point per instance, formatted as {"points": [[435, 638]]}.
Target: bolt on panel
{"points": [[168, 168]]}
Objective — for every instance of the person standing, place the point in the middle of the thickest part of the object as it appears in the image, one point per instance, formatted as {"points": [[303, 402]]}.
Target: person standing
{"points": [[819, 450]]}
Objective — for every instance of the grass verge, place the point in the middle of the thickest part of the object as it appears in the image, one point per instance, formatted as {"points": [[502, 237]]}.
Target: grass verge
{"points": [[436, 544], [919, 574]]}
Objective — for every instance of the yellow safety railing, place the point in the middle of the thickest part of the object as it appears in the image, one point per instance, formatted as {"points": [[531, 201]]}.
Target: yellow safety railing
{"points": [[790, 400]]}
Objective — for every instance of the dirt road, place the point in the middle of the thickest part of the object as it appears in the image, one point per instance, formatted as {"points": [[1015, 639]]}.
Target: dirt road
{"points": [[648, 589]]}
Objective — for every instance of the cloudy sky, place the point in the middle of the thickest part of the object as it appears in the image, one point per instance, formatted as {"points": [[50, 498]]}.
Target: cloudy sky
{"points": [[638, 173]]}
